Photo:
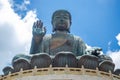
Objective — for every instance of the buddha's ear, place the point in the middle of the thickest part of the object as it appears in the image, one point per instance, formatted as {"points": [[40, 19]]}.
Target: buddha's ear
{"points": [[52, 22], [70, 23], [52, 26]]}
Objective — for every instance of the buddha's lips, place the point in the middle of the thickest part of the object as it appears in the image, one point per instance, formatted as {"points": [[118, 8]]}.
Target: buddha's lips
{"points": [[62, 24]]}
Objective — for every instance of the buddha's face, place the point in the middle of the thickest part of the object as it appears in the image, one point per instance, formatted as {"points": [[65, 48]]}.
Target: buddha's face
{"points": [[61, 21]]}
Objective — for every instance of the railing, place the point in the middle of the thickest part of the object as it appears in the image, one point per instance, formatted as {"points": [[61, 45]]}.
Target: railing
{"points": [[59, 70]]}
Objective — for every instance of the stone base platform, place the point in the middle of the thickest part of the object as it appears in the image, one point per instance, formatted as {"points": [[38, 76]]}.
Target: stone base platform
{"points": [[60, 73]]}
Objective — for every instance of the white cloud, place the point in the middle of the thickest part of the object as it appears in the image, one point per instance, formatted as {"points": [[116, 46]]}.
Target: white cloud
{"points": [[15, 32], [116, 57], [116, 54], [21, 6], [26, 1], [88, 46], [118, 38], [22, 27]]}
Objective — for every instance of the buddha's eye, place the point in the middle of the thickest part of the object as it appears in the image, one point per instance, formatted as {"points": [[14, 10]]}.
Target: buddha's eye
{"points": [[65, 17], [57, 17]]}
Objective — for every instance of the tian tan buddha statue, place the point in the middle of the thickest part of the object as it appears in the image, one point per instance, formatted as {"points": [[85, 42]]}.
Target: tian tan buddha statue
{"points": [[60, 49], [60, 39]]}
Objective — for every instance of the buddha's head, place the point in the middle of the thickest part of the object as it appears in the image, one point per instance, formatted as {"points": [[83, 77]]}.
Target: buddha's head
{"points": [[61, 20]]}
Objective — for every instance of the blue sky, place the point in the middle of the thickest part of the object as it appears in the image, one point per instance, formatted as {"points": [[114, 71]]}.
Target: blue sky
{"points": [[97, 22]]}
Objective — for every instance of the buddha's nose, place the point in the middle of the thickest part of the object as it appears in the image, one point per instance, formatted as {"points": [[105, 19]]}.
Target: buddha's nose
{"points": [[61, 20]]}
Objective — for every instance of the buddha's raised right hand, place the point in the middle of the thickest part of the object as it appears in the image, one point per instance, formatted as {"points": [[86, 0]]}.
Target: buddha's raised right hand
{"points": [[38, 30]]}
